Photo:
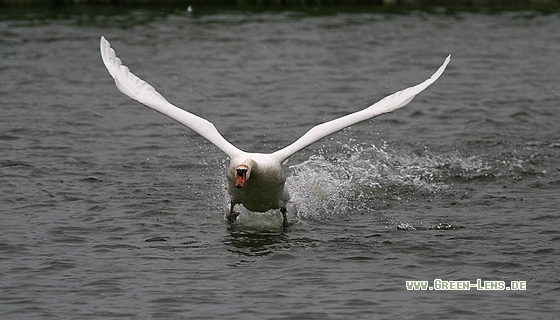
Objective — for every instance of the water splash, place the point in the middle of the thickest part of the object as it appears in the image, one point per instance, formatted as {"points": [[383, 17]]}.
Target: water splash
{"points": [[359, 178], [262, 221]]}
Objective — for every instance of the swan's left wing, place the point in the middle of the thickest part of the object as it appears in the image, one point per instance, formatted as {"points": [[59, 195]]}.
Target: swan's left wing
{"points": [[144, 93], [387, 104]]}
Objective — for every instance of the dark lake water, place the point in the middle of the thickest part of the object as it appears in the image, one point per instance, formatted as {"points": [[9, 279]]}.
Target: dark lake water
{"points": [[110, 210]]}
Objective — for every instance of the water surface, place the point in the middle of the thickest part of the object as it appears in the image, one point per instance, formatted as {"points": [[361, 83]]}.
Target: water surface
{"points": [[108, 209]]}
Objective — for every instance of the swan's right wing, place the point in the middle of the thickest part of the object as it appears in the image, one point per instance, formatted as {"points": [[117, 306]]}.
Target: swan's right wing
{"points": [[387, 104], [144, 93]]}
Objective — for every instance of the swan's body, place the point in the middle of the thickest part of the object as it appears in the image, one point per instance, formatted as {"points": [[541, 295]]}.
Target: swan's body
{"points": [[255, 180], [264, 189]]}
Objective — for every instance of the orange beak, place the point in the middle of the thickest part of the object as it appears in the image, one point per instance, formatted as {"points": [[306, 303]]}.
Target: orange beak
{"points": [[241, 177]]}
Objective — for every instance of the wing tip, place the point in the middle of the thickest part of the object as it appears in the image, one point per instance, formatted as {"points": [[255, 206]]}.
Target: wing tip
{"points": [[110, 59], [439, 71], [106, 51], [104, 45], [447, 59]]}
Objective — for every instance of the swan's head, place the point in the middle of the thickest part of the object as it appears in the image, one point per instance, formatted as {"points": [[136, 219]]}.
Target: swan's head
{"points": [[242, 173]]}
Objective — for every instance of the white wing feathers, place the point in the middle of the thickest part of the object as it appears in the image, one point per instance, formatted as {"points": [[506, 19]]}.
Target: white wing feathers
{"points": [[387, 104], [144, 93]]}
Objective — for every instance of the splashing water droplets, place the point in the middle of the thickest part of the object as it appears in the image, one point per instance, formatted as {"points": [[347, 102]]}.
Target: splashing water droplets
{"points": [[319, 187], [359, 178]]}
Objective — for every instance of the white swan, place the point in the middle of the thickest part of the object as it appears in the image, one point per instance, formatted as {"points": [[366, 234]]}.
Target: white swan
{"points": [[255, 180]]}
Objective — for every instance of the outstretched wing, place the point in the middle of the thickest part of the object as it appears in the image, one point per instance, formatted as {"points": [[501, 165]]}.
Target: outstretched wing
{"points": [[144, 93], [392, 102]]}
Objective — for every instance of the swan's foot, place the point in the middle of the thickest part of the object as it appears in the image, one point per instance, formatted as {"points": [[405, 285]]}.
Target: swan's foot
{"points": [[285, 222], [232, 215]]}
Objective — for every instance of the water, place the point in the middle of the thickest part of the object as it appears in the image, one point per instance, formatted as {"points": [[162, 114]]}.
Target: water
{"points": [[108, 209]]}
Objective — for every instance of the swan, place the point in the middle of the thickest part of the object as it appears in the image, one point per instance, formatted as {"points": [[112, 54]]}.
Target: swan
{"points": [[255, 180]]}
